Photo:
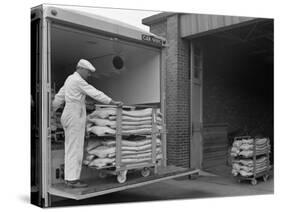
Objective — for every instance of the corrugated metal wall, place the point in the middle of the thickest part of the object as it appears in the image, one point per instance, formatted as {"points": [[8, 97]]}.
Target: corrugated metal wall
{"points": [[192, 24]]}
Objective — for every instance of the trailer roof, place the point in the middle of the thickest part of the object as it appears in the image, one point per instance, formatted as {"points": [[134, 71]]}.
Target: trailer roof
{"points": [[103, 24]]}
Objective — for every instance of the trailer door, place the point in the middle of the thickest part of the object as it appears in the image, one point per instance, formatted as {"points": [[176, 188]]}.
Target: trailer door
{"points": [[196, 67], [36, 103]]}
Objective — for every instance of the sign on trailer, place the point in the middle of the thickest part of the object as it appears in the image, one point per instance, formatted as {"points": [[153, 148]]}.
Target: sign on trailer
{"points": [[152, 39]]}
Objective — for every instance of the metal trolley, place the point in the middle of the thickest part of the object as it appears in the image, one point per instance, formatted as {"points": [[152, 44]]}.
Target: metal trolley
{"points": [[263, 174], [120, 169]]}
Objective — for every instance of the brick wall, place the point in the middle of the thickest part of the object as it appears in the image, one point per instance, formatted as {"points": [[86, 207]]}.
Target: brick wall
{"points": [[177, 91]]}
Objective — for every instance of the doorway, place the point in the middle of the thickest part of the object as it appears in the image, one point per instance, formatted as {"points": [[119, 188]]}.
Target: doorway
{"points": [[237, 93]]}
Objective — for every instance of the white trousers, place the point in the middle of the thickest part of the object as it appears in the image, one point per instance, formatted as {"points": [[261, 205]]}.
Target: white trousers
{"points": [[73, 121]]}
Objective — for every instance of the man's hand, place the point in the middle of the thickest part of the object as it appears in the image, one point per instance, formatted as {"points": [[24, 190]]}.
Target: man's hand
{"points": [[118, 103]]}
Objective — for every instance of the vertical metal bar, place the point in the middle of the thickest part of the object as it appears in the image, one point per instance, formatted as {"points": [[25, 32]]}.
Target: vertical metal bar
{"points": [[118, 137], [49, 103], [201, 88], [44, 112], [38, 102], [201, 104], [46, 131], [154, 134], [196, 141], [163, 106], [191, 100], [254, 158], [267, 156], [164, 145]]}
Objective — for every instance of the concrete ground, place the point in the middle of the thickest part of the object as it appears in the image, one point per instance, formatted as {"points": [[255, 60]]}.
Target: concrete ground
{"points": [[207, 185]]}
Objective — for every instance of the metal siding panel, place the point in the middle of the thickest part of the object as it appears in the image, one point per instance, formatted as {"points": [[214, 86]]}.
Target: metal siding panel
{"points": [[190, 20], [227, 20], [243, 19], [194, 24], [199, 23], [203, 24], [235, 20], [207, 22], [220, 21], [184, 24], [212, 21]]}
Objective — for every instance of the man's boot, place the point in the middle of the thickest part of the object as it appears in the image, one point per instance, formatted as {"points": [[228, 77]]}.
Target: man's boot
{"points": [[76, 184]]}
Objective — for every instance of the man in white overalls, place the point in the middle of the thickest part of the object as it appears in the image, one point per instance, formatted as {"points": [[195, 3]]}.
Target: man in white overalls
{"points": [[73, 118]]}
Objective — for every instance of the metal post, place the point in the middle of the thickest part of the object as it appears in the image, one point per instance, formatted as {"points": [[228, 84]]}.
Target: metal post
{"points": [[267, 156], [153, 140], [254, 158], [163, 106], [46, 105], [38, 103], [118, 137], [163, 134]]}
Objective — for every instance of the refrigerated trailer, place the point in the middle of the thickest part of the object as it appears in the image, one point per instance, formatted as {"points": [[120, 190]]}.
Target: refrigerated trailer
{"points": [[130, 65]]}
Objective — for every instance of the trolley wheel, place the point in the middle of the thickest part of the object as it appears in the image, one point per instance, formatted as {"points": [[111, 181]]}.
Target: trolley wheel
{"points": [[121, 177], [265, 178], [102, 175], [254, 182], [145, 172]]}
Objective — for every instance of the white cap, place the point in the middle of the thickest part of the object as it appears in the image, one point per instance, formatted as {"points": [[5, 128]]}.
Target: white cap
{"points": [[86, 64]]}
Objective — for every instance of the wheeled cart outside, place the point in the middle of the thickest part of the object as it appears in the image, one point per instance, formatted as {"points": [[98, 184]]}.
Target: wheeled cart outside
{"points": [[254, 180], [256, 174]]}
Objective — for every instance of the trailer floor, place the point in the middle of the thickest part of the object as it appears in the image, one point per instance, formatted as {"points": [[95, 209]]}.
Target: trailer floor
{"points": [[98, 186], [205, 186]]}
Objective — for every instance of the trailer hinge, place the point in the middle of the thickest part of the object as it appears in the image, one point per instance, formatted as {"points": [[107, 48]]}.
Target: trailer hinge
{"points": [[38, 87], [48, 86], [49, 132]]}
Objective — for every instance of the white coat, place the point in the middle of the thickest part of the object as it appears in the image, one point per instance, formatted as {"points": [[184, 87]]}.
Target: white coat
{"points": [[73, 120]]}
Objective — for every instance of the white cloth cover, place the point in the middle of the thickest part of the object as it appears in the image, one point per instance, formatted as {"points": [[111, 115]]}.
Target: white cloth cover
{"points": [[101, 162], [101, 131], [245, 147], [112, 124], [131, 143], [245, 167], [91, 144], [105, 151], [107, 131], [104, 113], [129, 118]]}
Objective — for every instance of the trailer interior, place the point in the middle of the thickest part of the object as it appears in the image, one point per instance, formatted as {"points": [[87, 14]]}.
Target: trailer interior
{"points": [[237, 87], [126, 71]]}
